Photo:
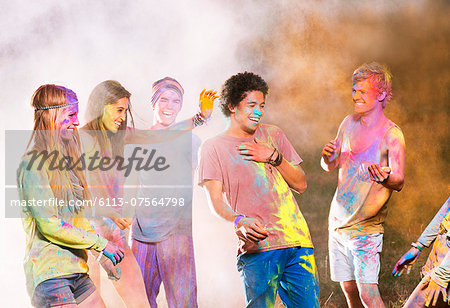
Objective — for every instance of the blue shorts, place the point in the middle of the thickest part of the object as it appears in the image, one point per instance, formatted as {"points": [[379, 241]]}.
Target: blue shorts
{"points": [[291, 272], [69, 289]]}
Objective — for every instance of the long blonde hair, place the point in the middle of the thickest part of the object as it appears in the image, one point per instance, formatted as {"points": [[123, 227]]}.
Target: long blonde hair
{"points": [[46, 137]]}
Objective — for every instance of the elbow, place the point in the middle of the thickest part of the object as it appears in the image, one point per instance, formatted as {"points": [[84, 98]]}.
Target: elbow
{"points": [[399, 186], [301, 187]]}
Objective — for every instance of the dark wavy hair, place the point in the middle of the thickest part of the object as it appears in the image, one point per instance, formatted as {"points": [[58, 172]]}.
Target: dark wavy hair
{"points": [[234, 89]]}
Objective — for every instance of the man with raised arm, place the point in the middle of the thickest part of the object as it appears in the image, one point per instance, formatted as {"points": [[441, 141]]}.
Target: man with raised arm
{"points": [[369, 151], [248, 172]]}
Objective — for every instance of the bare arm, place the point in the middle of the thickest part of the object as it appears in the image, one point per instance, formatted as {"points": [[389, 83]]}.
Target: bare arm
{"points": [[393, 176], [254, 230], [206, 103], [260, 152], [293, 175], [332, 150]]}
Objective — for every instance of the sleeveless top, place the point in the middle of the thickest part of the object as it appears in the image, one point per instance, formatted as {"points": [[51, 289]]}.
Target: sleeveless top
{"points": [[359, 204]]}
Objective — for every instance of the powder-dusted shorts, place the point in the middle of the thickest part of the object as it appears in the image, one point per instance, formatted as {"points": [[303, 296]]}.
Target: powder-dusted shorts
{"points": [[355, 258], [64, 290]]}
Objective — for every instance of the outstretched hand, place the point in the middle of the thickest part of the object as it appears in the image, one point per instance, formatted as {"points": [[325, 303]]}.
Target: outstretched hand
{"points": [[406, 262], [433, 290], [251, 229], [257, 151], [113, 273], [207, 102], [379, 174], [122, 222], [114, 253]]}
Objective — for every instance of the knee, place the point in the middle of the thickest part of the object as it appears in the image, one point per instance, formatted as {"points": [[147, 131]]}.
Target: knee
{"points": [[349, 288], [370, 295]]}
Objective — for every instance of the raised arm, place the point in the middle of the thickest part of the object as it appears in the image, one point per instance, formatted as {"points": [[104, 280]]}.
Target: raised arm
{"points": [[332, 150], [265, 153]]}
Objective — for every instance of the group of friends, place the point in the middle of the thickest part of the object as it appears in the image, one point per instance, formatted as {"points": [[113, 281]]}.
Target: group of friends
{"points": [[248, 173]]}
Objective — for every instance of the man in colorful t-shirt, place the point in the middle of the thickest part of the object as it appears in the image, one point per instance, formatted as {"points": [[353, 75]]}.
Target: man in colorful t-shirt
{"points": [[370, 153], [256, 167]]}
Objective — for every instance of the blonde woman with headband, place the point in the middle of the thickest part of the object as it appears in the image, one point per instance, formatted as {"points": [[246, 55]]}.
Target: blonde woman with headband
{"points": [[58, 236]]}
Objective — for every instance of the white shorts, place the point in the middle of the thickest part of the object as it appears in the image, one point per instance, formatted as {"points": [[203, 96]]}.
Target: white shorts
{"points": [[355, 258]]}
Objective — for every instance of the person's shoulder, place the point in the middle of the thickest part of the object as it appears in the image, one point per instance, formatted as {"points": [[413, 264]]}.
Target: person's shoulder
{"points": [[394, 132], [33, 164], [87, 139], [270, 129], [212, 142], [349, 119]]}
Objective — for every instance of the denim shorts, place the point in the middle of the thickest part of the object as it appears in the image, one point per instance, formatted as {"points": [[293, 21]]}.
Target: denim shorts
{"points": [[69, 289]]}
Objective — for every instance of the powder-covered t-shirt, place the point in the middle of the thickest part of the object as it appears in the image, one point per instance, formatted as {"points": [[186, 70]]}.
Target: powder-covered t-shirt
{"points": [[359, 206], [256, 189]]}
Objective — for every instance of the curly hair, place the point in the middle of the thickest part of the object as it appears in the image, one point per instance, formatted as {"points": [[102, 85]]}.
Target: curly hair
{"points": [[235, 88], [380, 75]]}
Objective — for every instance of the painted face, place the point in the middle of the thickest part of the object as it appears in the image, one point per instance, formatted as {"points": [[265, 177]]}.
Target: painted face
{"points": [[67, 120], [115, 114], [167, 108], [249, 112], [365, 96]]}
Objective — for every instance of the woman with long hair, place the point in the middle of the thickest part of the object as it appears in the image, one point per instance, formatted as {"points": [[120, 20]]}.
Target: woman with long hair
{"points": [[104, 136], [58, 234]]}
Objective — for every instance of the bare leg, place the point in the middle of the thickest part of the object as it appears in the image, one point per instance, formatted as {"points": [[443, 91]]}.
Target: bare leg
{"points": [[370, 295], [351, 293], [94, 272], [131, 286], [94, 300]]}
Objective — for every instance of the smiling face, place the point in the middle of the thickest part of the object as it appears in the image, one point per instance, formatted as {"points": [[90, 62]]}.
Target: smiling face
{"points": [[167, 108], [115, 114], [366, 96], [249, 112], [67, 120]]}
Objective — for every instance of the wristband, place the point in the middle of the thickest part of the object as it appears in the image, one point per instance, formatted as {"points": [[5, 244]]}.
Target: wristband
{"points": [[278, 161], [198, 119], [237, 219], [270, 157], [415, 245]]}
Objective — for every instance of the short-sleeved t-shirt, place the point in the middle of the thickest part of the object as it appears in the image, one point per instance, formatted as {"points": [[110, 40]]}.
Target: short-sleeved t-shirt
{"points": [[257, 189], [157, 223]]}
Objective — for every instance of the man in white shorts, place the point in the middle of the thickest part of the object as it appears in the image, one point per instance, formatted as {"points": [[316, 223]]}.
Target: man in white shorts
{"points": [[369, 151]]}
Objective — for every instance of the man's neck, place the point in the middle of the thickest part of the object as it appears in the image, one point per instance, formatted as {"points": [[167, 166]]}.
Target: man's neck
{"points": [[372, 118], [234, 130]]}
